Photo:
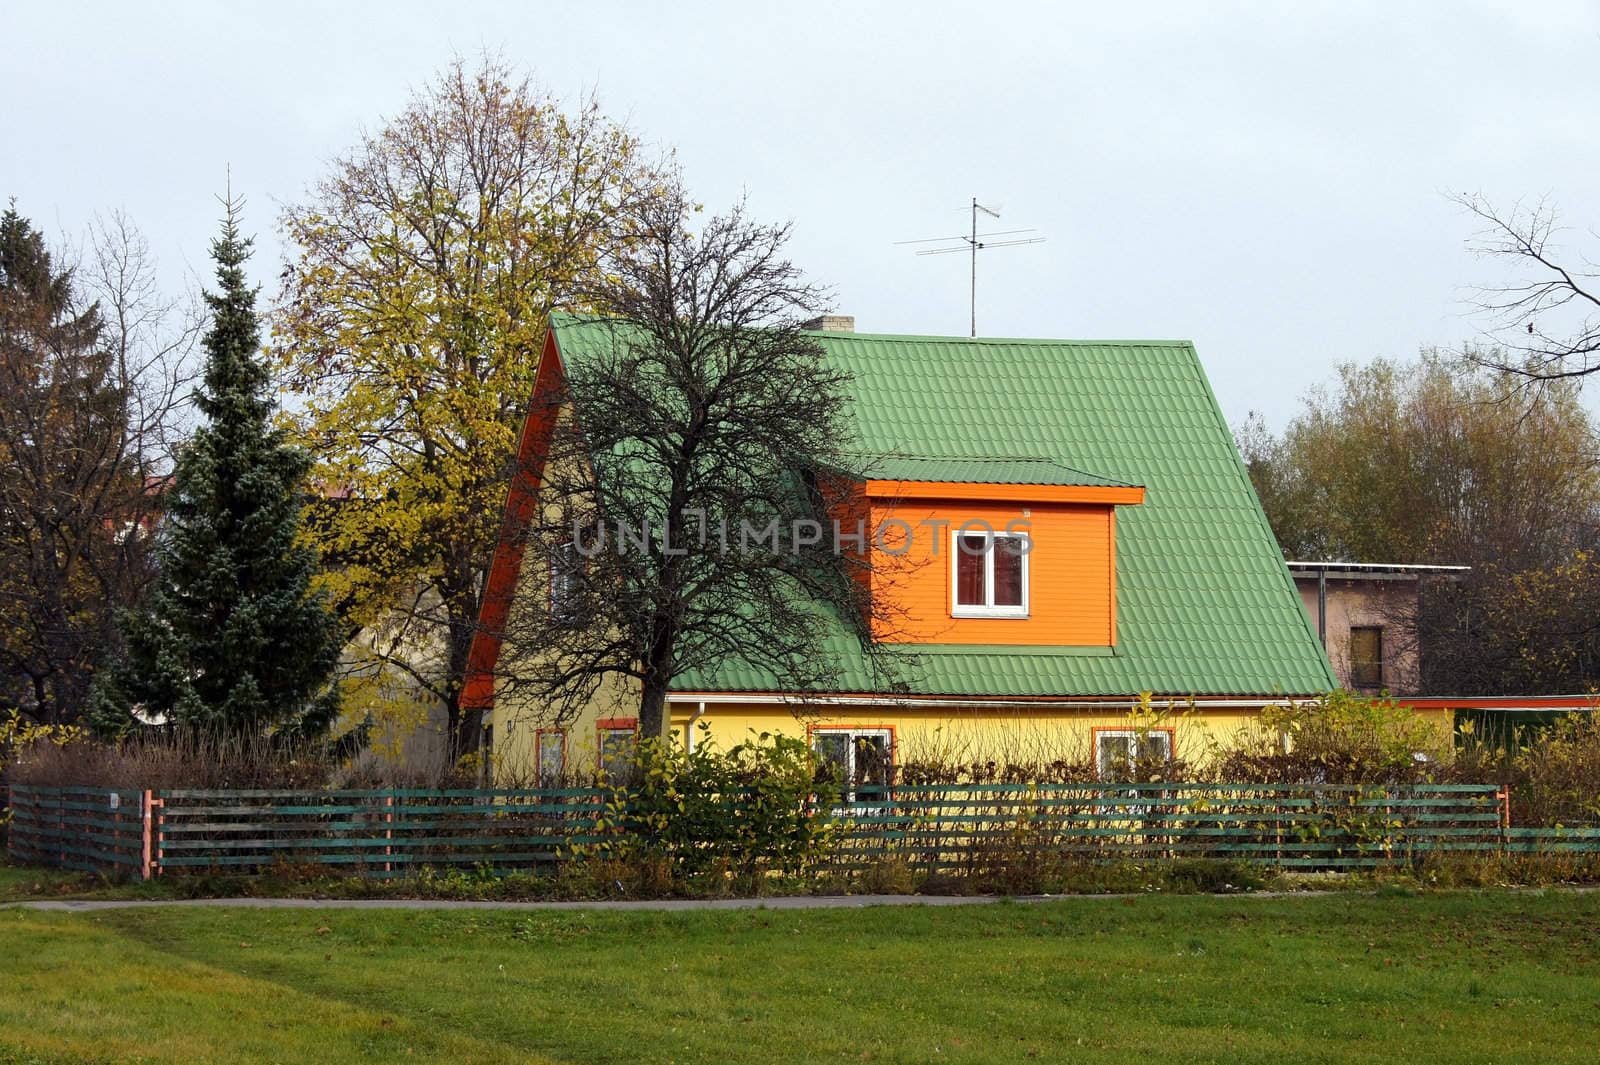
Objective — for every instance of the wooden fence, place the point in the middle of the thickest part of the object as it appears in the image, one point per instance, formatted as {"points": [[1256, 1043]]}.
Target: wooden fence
{"points": [[983, 828], [92, 829], [962, 829]]}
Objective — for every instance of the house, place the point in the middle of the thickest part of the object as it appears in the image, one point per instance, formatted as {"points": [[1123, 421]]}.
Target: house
{"points": [[1130, 598], [1365, 614]]}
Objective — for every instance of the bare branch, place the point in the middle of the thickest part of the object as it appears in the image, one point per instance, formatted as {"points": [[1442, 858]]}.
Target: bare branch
{"points": [[1544, 321]]}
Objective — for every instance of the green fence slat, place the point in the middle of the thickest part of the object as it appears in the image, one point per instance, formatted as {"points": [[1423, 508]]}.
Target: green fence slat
{"points": [[378, 843]]}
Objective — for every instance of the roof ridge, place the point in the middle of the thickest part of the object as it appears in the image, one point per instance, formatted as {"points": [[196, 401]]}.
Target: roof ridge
{"points": [[1103, 342], [930, 338]]}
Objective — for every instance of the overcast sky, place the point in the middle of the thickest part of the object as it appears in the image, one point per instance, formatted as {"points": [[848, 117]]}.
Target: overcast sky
{"points": [[1269, 185]]}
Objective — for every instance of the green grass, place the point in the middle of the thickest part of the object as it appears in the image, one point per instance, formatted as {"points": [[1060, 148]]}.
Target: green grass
{"points": [[578, 881], [1335, 978], [29, 882]]}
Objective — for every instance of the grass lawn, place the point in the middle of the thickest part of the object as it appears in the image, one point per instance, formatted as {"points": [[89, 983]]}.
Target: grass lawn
{"points": [[1458, 977], [30, 882]]}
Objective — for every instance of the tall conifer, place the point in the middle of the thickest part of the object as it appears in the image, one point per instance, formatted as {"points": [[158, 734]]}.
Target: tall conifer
{"points": [[235, 640]]}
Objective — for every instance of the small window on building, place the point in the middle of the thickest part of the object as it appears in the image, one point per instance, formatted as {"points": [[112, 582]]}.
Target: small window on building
{"points": [[566, 581], [616, 744], [552, 756], [1366, 656], [858, 759], [1118, 751], [990, 575], [487, 754]]}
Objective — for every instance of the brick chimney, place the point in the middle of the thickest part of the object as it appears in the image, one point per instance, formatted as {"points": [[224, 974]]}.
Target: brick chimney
{"points": [[832, 323]]}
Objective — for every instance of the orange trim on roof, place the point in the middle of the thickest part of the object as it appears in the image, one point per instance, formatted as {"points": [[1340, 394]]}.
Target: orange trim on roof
{"points": [[1018, 493], [1501, 702], [477, 690]]}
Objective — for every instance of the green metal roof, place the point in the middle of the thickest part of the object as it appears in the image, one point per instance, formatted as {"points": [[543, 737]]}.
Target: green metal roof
{"points": [[1205, 605]]}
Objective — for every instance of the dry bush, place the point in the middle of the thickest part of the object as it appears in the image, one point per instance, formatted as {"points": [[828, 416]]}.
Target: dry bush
{"points": [[198, 760], [181, 761], [370, 769], [1557, 780], [1339, 739]]}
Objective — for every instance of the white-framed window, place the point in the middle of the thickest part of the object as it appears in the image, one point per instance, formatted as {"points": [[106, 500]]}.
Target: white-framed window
{"points": [[858, 757], [988, 574], [1116, 750], [566, 577], [551, 754]]}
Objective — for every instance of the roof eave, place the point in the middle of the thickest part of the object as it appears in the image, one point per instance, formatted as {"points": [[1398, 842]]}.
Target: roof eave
{"points": [[1107, 495]]}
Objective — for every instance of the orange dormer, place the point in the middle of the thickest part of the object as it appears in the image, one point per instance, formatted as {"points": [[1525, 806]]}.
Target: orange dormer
{"points": [[994, 551]]}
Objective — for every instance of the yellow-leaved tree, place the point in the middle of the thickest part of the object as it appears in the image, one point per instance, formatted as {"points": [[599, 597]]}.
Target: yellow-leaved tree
{"points": [[422, 269]]}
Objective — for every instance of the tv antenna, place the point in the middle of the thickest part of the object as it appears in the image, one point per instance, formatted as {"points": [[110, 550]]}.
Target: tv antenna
{"points": [[973, 243]]}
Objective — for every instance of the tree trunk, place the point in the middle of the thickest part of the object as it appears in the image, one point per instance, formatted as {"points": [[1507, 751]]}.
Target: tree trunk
{"points": [[654, 718], [465, 724], [458, 589]]}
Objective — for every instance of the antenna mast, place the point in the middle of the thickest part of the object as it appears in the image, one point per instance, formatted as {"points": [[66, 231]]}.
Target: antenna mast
{"points": [[973, 243]]}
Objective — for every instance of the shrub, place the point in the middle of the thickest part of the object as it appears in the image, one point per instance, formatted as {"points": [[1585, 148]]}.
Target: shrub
{"points": [[184, 760], [746, 811], [19, 735], [1339, 739], [1557, 781]]}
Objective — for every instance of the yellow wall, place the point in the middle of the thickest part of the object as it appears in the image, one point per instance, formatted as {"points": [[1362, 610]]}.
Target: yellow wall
{"points": [[950, 735], [517, 723], [964, 735]]}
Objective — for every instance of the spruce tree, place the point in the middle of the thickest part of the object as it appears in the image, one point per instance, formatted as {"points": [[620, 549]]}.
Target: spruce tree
{"points": [[234, 641]]}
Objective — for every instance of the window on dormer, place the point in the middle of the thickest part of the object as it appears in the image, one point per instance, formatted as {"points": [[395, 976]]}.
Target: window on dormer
{"points": [[990, 575]]}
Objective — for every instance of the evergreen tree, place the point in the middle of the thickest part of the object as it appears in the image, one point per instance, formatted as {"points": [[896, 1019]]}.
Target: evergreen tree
{"points": [[235, 641]]}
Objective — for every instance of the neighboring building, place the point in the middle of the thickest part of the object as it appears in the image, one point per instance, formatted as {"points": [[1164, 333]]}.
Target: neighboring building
{"points": [[381, 674], [1504, 720], [1152, 576], [391, 669], [1365, 613]]}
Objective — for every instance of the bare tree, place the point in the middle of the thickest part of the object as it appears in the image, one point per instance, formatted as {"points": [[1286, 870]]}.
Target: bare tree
{"points": [[685, 516], [152, 337], [1545, 321], [91, 377]]}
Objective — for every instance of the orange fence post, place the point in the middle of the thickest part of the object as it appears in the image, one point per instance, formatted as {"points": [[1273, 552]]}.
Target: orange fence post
{"points": [[145, 827]]}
